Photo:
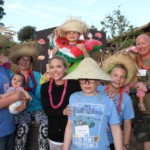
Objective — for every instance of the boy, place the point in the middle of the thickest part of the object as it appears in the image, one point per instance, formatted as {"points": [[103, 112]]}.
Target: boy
{"points": [[92, 111]]}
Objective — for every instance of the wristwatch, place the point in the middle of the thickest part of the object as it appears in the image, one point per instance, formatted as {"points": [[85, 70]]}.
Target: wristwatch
{"points": [[127, 146]]}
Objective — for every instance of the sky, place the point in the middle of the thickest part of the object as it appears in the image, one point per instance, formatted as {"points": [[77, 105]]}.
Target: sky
{"points": [[44, 14]]}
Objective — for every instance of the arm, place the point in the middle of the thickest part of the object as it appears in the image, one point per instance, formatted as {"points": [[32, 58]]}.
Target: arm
{"points": [[127, 133], [68, 136], [4, 102], [26, 94], [116, 132]]}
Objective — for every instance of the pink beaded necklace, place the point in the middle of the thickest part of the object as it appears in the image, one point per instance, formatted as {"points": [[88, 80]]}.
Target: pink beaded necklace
{"points": [[62, 97]]}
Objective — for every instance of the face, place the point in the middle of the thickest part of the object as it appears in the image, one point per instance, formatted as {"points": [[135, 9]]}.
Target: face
{"points": [[143, 45], [119, 77], [72, 37], [24, 63], [89, 86], [17, 81], [57, 69]]}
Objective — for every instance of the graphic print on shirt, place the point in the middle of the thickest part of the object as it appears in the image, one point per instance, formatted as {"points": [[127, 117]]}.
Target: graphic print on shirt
{"points": [[87, 120]]}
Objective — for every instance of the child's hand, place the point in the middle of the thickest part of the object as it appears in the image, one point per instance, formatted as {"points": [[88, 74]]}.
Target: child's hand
{"points": [[3, 58], [27, 96], [141, 86], [81, 47], [67, 111]]}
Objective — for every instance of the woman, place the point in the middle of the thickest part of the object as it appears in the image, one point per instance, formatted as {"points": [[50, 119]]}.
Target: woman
{"points": [[7, 123], [23, 56], [142, 120], [55, 97]]}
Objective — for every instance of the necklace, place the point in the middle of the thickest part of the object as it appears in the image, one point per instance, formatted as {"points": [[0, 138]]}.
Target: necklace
{"points": [[120, 96], [62, 96], [29, 73], [141, 64]]}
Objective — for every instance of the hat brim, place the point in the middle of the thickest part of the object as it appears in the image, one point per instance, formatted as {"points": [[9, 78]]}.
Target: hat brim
{"points": [[88, 69], [123, 59], [20, 51]]}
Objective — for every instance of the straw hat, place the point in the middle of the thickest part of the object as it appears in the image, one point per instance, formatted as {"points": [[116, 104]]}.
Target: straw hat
{"points": [[25, 49], [73, 24], [123, 59], [5, 35], [88, 69]]}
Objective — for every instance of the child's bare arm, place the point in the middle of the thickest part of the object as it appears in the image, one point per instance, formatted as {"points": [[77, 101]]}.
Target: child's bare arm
{"points": [[68, 136], [116, 132], [26, 94]]}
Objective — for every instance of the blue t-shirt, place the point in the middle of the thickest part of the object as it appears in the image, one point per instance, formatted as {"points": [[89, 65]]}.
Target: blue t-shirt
{"points": [[126, 109], [90, 117], [7, 122]]}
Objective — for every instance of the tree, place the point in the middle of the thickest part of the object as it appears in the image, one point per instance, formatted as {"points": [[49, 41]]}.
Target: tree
{"points": [[2, 13], [27, 33], [119, 30], [93, 27]]}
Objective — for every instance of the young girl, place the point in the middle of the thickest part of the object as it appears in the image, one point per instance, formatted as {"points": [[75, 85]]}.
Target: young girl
{"points": [[121, 73], [92, 112], [17, 83], [67, 42]]}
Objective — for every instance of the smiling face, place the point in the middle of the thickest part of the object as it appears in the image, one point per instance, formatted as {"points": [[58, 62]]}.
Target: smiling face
{"points": [[72, 37], [24, 63], [17, 80], [57, 68], [118, 75], [143, 46]]}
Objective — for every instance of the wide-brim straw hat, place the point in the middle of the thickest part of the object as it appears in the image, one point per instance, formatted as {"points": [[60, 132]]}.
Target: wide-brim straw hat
{"points": [[125, 60], [88, 69], [21, 50], [73, 24]]}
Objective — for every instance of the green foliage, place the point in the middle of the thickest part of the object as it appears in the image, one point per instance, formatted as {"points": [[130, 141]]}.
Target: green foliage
{"points": [[27, 33], [2, 13], [119, 31], [93, 27], [6, 47]]}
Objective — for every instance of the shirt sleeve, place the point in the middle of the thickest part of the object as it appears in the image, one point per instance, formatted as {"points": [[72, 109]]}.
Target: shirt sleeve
{"points": [[128, 112]]}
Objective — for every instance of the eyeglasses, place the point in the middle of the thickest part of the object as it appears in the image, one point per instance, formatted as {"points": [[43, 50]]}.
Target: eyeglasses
{"points": [[89, 81]]}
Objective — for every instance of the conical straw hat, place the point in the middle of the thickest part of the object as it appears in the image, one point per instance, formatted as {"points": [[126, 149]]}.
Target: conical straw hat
{"points": [[88, 69]]}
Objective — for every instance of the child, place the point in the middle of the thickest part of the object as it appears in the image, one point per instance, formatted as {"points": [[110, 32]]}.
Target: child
{"points": [[17, 83], [66, 42], [121, 73], [92, 111]]}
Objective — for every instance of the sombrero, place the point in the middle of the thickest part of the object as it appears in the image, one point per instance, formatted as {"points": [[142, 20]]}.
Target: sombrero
{"points": [[123, 59], [88, 69], [73, 24], [25, 49]]}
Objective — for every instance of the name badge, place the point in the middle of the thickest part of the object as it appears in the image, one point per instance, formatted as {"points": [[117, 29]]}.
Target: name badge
{"points": [[142, 72], [82, 131]]}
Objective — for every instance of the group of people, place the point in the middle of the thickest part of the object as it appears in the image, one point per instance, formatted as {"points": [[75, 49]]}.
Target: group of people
{"points": [[73, 110]]}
